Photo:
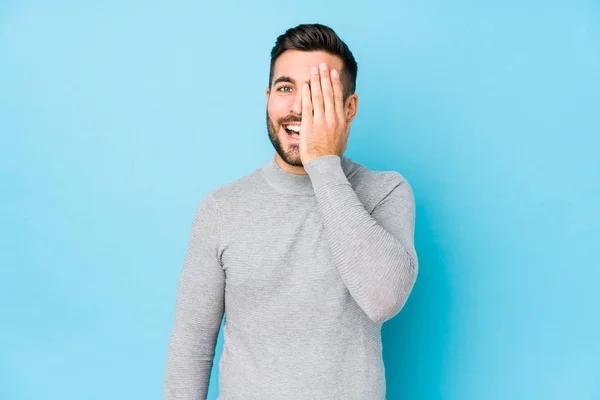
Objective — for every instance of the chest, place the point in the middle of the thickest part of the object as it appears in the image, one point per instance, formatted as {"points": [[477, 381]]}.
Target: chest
{"points": [[282, 254]]}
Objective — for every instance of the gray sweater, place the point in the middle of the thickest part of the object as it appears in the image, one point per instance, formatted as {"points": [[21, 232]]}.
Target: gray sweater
{"points": [[306, 269]]}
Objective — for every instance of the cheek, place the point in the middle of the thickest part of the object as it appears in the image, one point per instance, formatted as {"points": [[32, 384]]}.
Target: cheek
{"points": [[279, 107]]}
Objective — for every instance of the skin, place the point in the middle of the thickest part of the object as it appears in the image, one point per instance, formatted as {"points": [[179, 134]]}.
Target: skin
{"points": [[312, 100]]}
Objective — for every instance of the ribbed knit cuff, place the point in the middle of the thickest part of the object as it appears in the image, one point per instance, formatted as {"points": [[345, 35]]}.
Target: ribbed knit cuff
{"points": [[326, 170]]}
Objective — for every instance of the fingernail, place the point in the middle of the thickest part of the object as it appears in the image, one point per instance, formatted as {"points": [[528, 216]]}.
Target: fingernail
{"points": [[315, 70], [324, 66], [334, 73]]}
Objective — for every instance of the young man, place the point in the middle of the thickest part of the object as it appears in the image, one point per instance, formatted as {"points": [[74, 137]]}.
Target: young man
{"points": [[307, 255]]}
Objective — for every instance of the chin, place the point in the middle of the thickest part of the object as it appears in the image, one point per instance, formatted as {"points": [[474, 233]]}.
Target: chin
{"points": [[293, 160], [292, 156]]}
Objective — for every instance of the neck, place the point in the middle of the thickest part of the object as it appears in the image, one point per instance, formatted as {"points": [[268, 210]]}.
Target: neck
{"points": [[287, 167], [288, 182]]}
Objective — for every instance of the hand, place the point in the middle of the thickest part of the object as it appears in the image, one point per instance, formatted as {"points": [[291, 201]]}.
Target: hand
{"points": [[323, 130]]}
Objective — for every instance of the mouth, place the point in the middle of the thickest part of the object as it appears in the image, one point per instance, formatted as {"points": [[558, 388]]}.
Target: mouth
{"points": [[292, 130]]}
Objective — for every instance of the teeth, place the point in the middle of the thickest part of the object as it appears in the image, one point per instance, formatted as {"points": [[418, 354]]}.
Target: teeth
{"points": [[294, 128]]}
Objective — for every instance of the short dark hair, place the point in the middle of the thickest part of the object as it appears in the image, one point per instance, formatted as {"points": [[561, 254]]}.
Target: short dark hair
{"points": [[318, 37]]}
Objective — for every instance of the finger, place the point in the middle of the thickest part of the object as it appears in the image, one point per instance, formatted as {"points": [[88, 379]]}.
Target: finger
{"points": [[338, 94], [307, 108], [317, 94], [328, 104]]}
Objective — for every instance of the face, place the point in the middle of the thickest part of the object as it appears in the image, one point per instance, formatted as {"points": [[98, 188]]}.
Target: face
{"points": [[284, 98]]}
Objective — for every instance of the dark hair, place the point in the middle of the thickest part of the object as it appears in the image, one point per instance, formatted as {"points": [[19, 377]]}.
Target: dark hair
{"points": [[317, 37]]}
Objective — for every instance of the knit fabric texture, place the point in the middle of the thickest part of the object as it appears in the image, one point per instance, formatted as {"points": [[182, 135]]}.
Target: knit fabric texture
{"points": [[306, 269]]}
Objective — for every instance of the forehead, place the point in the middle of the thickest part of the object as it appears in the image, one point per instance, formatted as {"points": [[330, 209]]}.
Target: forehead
{"points": [[296, 63]]}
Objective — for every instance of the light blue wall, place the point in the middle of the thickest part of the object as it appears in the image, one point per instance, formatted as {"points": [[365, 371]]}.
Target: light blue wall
{"points": [[117, 117]]}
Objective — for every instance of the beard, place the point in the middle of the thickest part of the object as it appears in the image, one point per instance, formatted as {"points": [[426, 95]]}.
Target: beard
{"points": [[291, 155]]}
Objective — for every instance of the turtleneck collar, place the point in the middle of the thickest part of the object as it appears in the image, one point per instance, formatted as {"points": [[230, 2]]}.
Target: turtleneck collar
{"points": [[295, 184]]}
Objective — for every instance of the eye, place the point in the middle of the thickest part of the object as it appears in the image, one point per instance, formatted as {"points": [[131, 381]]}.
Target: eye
{"points": [[284, 89]]}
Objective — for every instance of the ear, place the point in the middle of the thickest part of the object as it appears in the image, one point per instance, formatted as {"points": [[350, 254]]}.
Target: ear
{"points": [[351, 107], [267, 93]]}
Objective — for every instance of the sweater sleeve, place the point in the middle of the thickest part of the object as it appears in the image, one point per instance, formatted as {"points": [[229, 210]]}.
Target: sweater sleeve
{"points": [[199, 309], [374, 253]]}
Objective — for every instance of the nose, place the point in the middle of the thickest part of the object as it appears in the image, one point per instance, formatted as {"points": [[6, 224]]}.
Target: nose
{"points": [[296, 106]]}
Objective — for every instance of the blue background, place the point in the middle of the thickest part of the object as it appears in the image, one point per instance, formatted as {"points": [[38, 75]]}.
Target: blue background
{"points": [[116, 117]]}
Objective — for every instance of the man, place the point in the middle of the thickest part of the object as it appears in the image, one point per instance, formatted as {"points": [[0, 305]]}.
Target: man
{"points": [[307, 255]]}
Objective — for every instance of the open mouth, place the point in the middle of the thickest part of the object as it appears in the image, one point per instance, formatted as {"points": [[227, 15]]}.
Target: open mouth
{"points": [[292, 130]]}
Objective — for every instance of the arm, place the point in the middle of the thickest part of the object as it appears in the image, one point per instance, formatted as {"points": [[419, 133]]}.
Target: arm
{"points": [[374, 253], [199, 310]]}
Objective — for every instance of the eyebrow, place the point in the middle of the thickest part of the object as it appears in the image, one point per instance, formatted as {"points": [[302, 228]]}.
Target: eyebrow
{"points": [[287, 79]]}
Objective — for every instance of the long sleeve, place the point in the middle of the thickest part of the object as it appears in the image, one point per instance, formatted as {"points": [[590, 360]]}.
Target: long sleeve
{"points": [[199, 309], [374, 253]]}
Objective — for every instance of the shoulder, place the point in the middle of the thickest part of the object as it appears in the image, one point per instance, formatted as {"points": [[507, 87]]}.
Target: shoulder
{"points": [[234, 194], [378, 183], [375, 186]]}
